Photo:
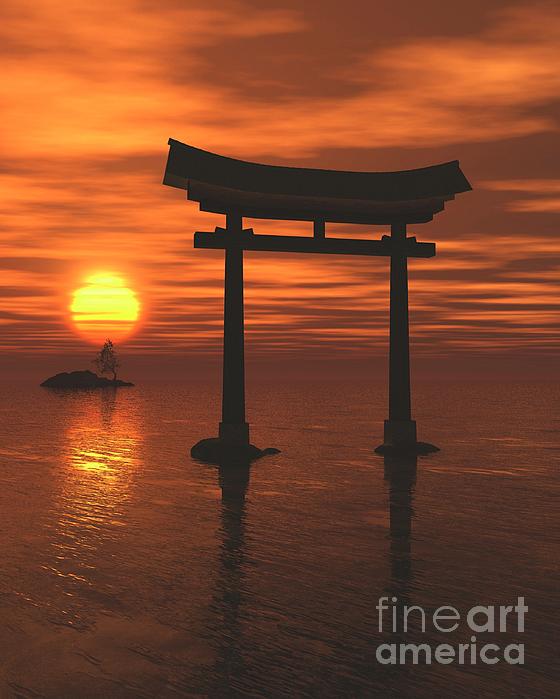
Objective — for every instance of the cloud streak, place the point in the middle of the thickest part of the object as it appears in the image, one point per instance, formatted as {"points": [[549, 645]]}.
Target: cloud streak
{"points": [[90, 96]]}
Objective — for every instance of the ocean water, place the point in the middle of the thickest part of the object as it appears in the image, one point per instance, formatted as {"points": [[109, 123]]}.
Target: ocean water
{"points": [[130, 570]]}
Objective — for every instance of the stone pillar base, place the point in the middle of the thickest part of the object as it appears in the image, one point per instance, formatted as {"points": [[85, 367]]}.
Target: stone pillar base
{"points": [[217, 451], [234, 433], [400, 440]]}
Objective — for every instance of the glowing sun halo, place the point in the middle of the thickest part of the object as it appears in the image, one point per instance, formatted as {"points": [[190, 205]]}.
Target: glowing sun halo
{"points": [[104, 308]]}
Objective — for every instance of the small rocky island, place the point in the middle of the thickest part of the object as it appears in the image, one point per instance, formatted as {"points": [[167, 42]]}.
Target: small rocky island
{"points": [[106, 362], [82, 379]]}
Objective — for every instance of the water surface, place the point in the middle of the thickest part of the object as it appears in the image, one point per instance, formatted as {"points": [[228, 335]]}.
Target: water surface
{"points": [[129, 570]]}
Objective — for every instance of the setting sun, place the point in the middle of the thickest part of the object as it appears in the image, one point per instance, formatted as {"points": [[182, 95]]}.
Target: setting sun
{"points": [[104, 307]]}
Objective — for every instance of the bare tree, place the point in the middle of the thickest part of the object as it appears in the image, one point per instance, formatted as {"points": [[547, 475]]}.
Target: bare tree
{"points": [[106, 360]]}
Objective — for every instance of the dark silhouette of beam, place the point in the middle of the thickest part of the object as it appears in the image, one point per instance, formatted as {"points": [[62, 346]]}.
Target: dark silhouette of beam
{"points": [[190, 167], [219, 200], [221, 185], [319, 229], [334, 246]]}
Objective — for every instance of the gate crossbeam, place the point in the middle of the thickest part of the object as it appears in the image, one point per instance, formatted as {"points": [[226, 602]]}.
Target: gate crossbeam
{"points": [[247, 240]]}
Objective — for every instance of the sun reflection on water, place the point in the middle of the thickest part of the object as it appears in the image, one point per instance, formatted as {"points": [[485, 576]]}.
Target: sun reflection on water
{"points": [[100, 460]]}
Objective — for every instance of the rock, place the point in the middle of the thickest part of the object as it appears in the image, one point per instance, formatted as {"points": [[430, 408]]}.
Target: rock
{"points": [[215, 451], [269, 451], [82, 379]]}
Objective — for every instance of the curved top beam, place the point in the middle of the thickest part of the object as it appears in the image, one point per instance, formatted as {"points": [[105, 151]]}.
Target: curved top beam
{"points": [[223, 184], [186, 162]]}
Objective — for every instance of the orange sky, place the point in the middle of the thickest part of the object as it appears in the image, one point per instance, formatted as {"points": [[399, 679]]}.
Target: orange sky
{"points": [[92, 91]]}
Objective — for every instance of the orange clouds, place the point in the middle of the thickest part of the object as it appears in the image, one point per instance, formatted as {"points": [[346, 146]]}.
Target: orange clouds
{"points": [[437, 91], [87, 79], [536, 189], [91, 92]]}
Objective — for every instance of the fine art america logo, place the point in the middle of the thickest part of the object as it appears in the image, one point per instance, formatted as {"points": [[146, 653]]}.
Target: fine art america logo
{"points": [[479, 619]]}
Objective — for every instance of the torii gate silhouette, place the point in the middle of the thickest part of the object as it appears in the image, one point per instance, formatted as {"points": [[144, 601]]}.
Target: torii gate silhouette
{"points": [[242, 189]]}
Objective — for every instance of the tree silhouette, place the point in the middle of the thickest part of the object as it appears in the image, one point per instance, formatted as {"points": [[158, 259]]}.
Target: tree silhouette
{"points": [[106, 360]]}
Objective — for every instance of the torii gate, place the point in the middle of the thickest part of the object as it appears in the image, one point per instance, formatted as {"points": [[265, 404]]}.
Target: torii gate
{"points": [[242, 189]]}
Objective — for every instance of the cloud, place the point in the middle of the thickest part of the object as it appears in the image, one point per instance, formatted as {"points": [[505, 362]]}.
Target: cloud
{"points": [[86, 79], [91, 93], [533, 186], [539, 187], [548, 206], [89, 78]]}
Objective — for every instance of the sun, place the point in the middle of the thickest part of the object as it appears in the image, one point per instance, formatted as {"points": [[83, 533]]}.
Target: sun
{"points": [[105, 307]]}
